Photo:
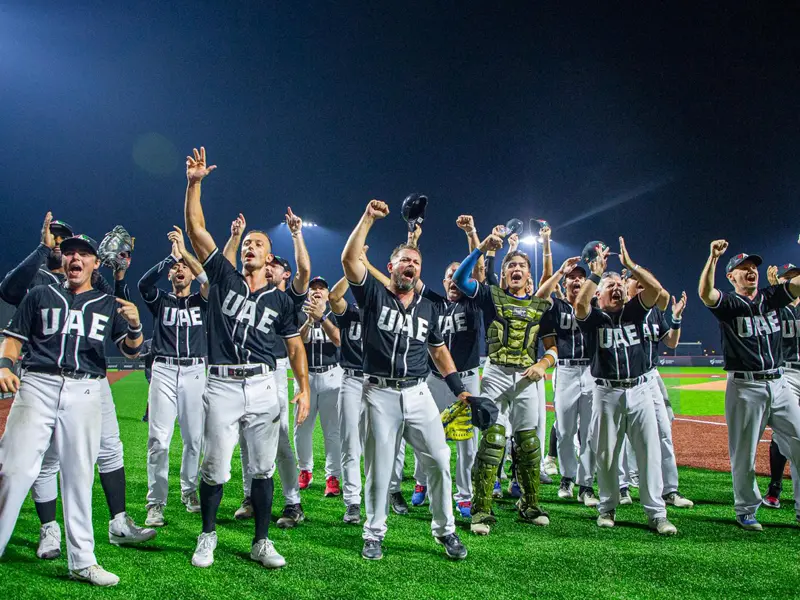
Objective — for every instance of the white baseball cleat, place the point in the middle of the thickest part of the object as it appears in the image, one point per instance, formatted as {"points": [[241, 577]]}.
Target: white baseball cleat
{"points": [[96, 575], [678, 500], [588, 498], [123, 531], [155, 516], [550, 466], [204, 553], [480, 528], [49, 541], [566, 489], [625, 496], [191, 502], [263, 551], [662, 526], [606, 519]]}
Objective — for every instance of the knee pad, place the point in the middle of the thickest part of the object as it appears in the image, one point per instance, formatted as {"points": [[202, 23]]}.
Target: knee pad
{"points": [[528, 448], [492, 446]]}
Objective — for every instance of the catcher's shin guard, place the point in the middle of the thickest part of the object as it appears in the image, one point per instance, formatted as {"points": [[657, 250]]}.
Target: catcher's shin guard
{"points": [[529, 457], [484, 471]]}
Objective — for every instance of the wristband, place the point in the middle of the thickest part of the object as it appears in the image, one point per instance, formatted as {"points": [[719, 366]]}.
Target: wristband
{"points": [[594, 278], [323, 318], [6, 363], [455, 384], [134, 333], [676, 323], [202, 278]]}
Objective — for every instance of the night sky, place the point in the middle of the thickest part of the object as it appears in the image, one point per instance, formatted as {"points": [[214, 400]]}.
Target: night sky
{"points": [[671, 129]]}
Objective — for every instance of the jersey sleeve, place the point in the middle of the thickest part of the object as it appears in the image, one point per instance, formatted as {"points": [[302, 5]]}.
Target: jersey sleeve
{"points": [[119, 328], [287, 323], [778, 296], [297, 299], [547, 327], [432, 296], [148, 283], [19, 279], [24, 320], [725, 308], [364, 291], [634, 310], [663, 325], [217, 267], [592, 321], [491, 274], [483, 297], [101, 285]]}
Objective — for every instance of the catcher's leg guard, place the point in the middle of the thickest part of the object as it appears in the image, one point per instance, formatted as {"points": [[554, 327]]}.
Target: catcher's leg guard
{"points": [[529, 456], [484, 471]]}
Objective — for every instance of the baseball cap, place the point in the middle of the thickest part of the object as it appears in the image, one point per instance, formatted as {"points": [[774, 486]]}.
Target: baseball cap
{"points": [[740, 258], [784, 270], [79, 242], [282, 262], [576, 268], [60, 228], [319, 280], [591, 250]]}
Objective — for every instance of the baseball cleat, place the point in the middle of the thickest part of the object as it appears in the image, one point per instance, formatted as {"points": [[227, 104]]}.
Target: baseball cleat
{"points": [[625, 496], [305, 479], [532, 514], [497, 490], [398, 503], [155, 515], [662, 526], [372, 550], [352, 514], [545, 478], [49, 541], [292, 516], [514, 490], [748, 522], [481, 523], [332, 487], [465, 508], [772, 499], [606, 519], [122, 531], [191, 502], [566, 489], [678, 500], [588, 498], [96, 575], [264, 552], [633, 480], [418, 497], [204, 553], [452, 546], [245, 511], [550, 466]]}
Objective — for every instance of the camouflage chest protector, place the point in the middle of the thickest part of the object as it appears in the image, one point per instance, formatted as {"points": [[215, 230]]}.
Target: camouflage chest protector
{"points": [[512, 335]]}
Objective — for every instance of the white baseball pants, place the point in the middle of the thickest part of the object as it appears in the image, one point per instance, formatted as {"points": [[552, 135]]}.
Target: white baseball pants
{"points": [[573, 403], [324, 400], [517, 397]]}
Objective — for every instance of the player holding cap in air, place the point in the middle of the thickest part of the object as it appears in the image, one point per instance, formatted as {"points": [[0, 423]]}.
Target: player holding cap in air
{"points": [[657, 328], [790, 326], [245, 316], [399, 329], [59, 400], [757, 393], [624, 397], [121, 529], [279, 274], [178, 375]]}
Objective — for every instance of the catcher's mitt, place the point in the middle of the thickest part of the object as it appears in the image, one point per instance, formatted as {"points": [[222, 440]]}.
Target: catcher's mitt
{"points": [[457, 422], [116, 248]]}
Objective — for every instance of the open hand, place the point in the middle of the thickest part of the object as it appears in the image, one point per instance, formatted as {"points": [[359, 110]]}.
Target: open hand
{"points": [[238, 226], [678, 306], [47, 238], [196, 167]]}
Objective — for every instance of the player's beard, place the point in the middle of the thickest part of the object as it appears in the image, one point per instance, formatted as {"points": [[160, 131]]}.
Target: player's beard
{"points": [[54, 260], [403, 284]]}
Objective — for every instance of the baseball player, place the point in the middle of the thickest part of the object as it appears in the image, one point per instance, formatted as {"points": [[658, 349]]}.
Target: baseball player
{"points": [[790, 327], [245, 316], [658, 328], [279, 274], [178, 374], [399, 328], [321, 337], [59, 398], [573, 395], [624, 396], [757, 393], [121, 529]]}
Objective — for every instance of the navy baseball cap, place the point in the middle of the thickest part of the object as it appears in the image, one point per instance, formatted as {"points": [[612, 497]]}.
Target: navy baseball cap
{"points": [[79, 242], [740, 258], [784, 270], [60, 228], [576, 268], [282, 262], [320, 280]]}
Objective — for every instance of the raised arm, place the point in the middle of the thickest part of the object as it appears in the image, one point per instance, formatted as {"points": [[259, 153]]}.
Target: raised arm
{"points": [[301, 257], [706, 290], [467, 224], [462, 275], [196, 170], [673, 338], [17, 281], [336, 296], [148, 284], [179, 246], [589, 288], [354, 269], [231, 250], [373, 270], [547, 254], [652, 288], [550, 285]]}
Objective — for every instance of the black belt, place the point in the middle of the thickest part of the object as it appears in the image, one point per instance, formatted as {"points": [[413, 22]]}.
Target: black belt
{"points": [[238, 372], [469, 373], [179, 362], [354, 372], [792, 365], [68, 373], [395, 384], [620, 383], [750, 376], [574, 362], [324, 369]]}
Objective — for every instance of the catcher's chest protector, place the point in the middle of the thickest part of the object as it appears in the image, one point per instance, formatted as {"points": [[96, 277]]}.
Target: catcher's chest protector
{"points": [[512, 335]]}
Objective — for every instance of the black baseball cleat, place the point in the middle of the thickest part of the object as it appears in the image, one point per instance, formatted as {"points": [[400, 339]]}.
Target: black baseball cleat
{"points": [[292, 516], [398, 503], [352, 514], [372, 550], [453, 546]]}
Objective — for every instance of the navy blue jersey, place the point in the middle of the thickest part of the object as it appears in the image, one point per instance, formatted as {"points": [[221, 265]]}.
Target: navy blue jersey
{"points": [[178, 323], [560, 322], [243, 326], [320, 350], [618, 340], [298, 299], [656, 328], [67, 331], [790, 326], [349, 322], [751, 329], [395, 337], [460, 325]]}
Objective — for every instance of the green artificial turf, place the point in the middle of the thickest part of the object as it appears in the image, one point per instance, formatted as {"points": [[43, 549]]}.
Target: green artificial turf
{"points": [[710, 558]]}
